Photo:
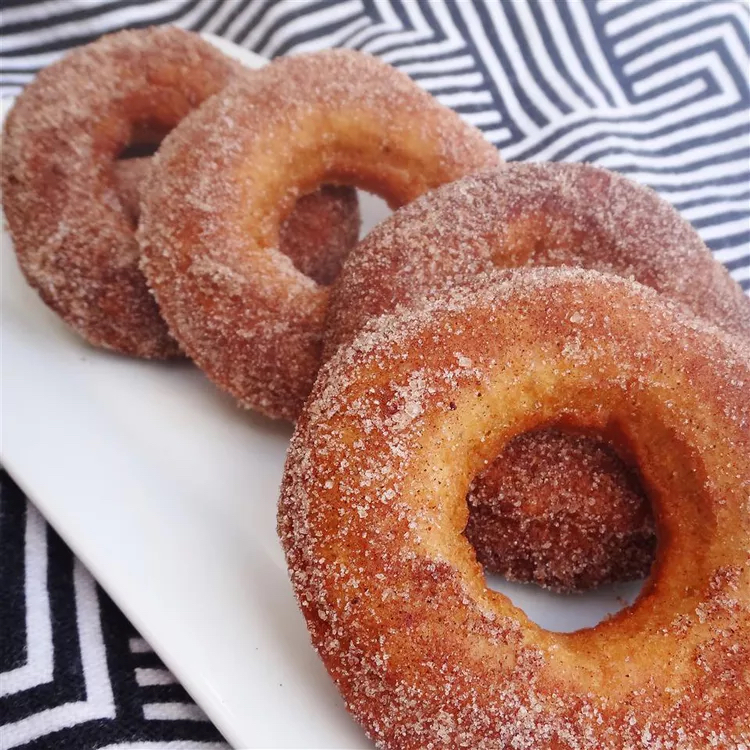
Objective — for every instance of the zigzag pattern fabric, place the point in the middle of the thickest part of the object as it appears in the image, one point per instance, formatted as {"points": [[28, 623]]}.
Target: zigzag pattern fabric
{"points": [[655, 89]]}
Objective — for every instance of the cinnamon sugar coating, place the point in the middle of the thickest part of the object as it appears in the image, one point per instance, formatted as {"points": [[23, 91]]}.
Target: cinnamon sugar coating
{"points": [[561, 510], [73, 238], [548, 511], [230, 174], [317, 235], [373, 507]]}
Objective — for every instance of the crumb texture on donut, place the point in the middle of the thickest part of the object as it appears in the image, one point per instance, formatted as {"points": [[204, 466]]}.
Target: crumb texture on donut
{"points": [[563, 511], [547, 511], [318, 234], [533, 215], [373, 509], [231, 173], [73, 238]]}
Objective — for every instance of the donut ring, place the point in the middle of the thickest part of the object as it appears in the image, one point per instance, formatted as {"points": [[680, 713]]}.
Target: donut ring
{"points": [[318, 234], [547, 511], [373, 506], [229, 175], [74, 241]]}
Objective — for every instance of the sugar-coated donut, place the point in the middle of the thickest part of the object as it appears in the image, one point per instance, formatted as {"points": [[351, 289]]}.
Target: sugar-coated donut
{"points": [[74, 240], [318, 234], [321, 230], [130, 177], [584, 521], [562, 510], [231, 173], [525, 214], [373, 508]]}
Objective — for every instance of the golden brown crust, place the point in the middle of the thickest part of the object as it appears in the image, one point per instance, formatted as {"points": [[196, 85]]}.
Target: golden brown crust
{"points": [[542, 214], [321, 230], [373, 508], [230, 174], [317, 235], [550, 214], [73, 238], [129, 176], [561, 510]]}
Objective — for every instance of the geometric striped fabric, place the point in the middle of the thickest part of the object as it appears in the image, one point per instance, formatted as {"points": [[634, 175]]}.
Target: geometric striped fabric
{"points": [[74, 673], [655, 89]]}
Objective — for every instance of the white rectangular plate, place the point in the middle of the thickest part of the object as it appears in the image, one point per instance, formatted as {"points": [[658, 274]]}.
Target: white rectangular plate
{"points": [[167, 492]]}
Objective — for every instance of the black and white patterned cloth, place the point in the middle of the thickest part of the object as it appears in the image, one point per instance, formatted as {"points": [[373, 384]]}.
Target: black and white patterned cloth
{"points": [[657, 90]]}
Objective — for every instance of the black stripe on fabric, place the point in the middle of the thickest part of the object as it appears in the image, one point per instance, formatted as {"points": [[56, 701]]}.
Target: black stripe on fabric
{"points": [[550, 93], [78, 14], [497, 99], [283, 20], [672, 11], [74, 41], [371, 10], [446, 56], [67, 683], [718, 46], [552, 50], [708, 199], [723, 218], [613, 129], [524, 100], [437, 33], [732, 240], [12, 572], [302, 37], [576, 42], [222, 29], [621, 10], [741, 155], [733, 179], [207, 15], [677, 147], [260, 8], [698, 26]]}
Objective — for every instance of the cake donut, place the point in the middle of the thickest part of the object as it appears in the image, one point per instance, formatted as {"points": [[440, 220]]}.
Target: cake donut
{"points": [[562, 510], [554, 510], [231, 173], [373, 507], [318, 234], [74, 241]]}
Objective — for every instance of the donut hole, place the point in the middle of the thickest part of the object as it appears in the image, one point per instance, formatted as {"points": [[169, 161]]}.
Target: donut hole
{"points": [[565, 512], [138, 151]]}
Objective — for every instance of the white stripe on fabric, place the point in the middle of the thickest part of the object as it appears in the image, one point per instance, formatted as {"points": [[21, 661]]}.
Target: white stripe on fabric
{"points": [[306, 24], [98, 24], [597, 58], [693, 16], [99, 703], [173, 711], [551, 14], [146, 676], [39, 649], [724, 32]]}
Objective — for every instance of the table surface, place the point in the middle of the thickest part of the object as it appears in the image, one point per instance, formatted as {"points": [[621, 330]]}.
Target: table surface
{"points": [[656, 90]]}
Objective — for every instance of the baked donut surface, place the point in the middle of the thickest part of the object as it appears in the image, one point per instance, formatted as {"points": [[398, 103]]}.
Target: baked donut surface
{"points": [[318, 234], [373, 507], [231, 173], [562, 510], [74, 240], [549, 511]]}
